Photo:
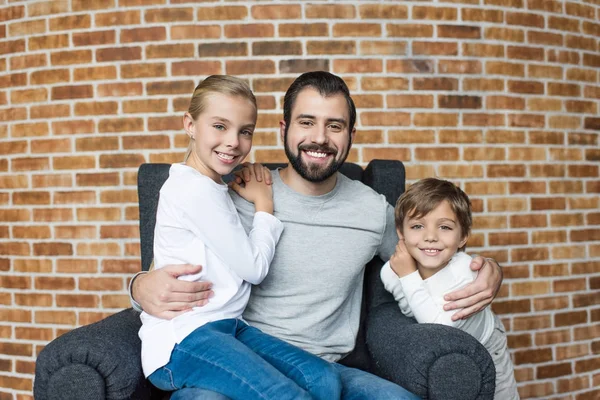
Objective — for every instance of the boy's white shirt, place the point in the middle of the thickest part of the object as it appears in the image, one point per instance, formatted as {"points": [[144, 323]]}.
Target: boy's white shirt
{"points": [[197, 223], [423, 299]]}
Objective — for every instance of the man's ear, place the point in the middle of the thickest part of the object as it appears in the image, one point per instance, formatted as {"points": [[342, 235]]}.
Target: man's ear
{"points": [[352, 135], [282, 130], [188, 124]]}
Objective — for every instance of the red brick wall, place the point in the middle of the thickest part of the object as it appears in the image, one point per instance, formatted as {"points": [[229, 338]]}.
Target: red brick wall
{"points": [[500, 96]]}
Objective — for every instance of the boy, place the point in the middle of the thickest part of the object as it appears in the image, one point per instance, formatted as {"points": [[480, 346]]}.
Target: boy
{"points": [[433, 221]]}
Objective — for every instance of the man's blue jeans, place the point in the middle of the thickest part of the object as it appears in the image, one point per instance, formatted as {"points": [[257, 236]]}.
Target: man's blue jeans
{"points": [[357, 385], [241, 362]]}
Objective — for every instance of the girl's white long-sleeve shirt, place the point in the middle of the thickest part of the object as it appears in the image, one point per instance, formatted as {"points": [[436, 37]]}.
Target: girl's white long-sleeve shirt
{"points": [[197, 223], [423, 299]]}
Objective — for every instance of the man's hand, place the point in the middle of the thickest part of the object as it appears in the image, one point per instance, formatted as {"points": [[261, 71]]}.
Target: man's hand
{"points": [[162, 295], [479, 294], [401, 262], [249, 171]]}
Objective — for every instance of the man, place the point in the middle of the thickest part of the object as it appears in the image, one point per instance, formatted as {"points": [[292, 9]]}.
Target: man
{"points": [[333, 227]]}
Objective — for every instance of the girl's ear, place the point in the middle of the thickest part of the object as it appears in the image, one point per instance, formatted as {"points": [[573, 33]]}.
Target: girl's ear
{"points": [[188, 125]]}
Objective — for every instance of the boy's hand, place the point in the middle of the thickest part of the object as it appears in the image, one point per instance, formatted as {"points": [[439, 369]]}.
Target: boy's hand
{"points": [[478, 294], [401, 262], [258, 192]]}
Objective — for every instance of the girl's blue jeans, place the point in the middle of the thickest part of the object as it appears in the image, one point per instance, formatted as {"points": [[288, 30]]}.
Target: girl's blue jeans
{"points": [[241, 362]]}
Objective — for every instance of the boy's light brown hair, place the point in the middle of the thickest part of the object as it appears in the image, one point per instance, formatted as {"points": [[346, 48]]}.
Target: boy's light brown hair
{"points": [[424, 196]]}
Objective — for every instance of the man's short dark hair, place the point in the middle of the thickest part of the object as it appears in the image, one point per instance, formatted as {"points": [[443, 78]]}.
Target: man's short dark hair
{"points": [[327, 84]]}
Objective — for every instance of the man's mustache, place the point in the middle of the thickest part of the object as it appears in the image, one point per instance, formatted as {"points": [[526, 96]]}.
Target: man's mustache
{"points": [[319, 148]]}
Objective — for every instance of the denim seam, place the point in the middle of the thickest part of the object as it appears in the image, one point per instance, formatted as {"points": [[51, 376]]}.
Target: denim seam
{"points": [[226, 370]]}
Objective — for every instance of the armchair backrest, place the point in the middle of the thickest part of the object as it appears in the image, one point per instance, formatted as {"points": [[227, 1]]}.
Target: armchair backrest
{"points": [[151, 177]]}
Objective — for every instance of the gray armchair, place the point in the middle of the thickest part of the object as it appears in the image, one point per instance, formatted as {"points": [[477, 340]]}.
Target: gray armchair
{"points": [[102, 360]]}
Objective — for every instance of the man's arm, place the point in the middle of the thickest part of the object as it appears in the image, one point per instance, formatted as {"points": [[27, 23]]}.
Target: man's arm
{"points": [[161, 294], [479, 294]]}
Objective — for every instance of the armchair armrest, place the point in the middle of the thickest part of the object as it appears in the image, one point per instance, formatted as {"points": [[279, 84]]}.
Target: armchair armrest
{"points": [[433, 361], [97, 361]]}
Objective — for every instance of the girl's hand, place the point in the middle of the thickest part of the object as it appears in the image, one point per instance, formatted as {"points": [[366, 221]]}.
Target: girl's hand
{"points": [[258, 192], [249, 171], [401, 261]]}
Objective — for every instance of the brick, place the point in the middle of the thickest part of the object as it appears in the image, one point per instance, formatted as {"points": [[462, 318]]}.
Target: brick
{"points": [[71, 92], [544, 71], [118, 54], [533, 288], [409, 30], [459, 31], [26, 333], [577, 74], [587, 365], [356, 30], [434, 48], [54, 283], [418, 66], [483, 85], [526, 87], [484, 120], [491, 222], [13, 80], [121, 160], [383, 11], [34, 265], [271, 84], [70, 22], [173, 50], [437, 154], [98, 249], [506, 204], [169, 15], [409, 136], [544, 104], [142, 70], [145, 106], [121, 266], [194, 67], [290, 11], [512, 306], [409, 101], [15, 282], [151, 34], [94, 38], [507, 239], [28, 61], [30, 164], [129, 17], [100, 284], [363, 101], [115, 301], [146, 142], [246, 67], [52, 215], [551, 303], [570, 318], [573, 384], [563, 57], [384, 119], [483, 50], [77, 300], [386, 153], [277, 48], [545, 38], [535, 356], [14, 46], [46, 42], [52, 249], [505, 170], [298, 66], [459, 67], [581, 42], [55, 317], [75, 197], [460, 136], [78, 265], [222, 49], [526, 120], [173, 87], [579, 171], [553, 370], [504, 34], [26, 28], [222, 13], [563, 24], [249, 30], [435, 84], [504, 68], [552, 337], [330, 11], [542, 237], [186, 32], [31, 198], [434, 13], [304, 30], [505, 103]]}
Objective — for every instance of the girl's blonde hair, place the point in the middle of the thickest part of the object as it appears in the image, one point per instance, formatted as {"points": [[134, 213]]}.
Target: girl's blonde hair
{"points": [[223, 84]]}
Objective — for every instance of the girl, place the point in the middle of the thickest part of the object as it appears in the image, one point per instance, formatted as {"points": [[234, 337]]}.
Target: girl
{"points": [[211, 347]]}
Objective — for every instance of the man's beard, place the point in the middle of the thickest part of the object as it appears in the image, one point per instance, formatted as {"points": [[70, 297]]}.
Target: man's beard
{"points": [[314, 173]]}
